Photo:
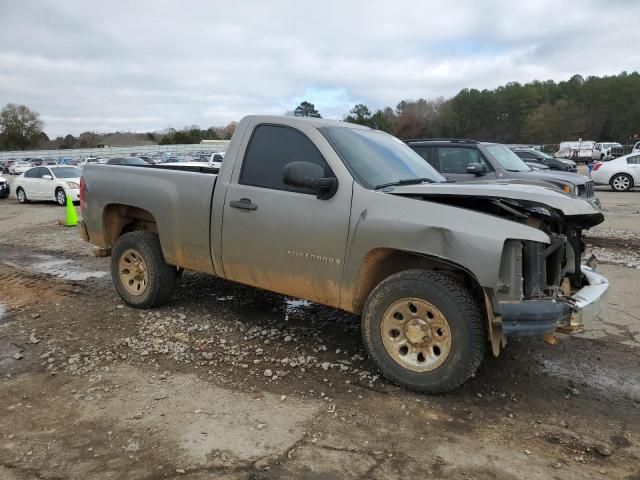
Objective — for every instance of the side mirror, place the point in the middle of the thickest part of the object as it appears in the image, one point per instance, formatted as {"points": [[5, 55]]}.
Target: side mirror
{"points": [[475, 168], [47, 177], [309, 176]]}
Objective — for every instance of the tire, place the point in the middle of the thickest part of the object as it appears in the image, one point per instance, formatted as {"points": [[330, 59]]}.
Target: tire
{"points": [[435, 297], [61, 197], [22, 196], [145, 280], [621, 182]]}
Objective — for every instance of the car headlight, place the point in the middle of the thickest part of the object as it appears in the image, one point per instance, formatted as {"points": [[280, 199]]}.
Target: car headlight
{"points": [[570, 189], [73, 185]]}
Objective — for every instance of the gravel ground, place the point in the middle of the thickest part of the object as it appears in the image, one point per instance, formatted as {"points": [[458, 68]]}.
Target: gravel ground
{"points": [[231, 382]]}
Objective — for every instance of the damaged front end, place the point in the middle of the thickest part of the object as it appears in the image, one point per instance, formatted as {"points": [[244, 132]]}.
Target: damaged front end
{"points": [[542, 287]]}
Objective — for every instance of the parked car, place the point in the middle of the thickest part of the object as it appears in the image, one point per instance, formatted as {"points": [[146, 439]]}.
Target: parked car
{"points": [[578, 151], [36, 161], [606, 150], [19, 167], [49, 183], [88, 160], [126, 161], [5, 188], [531, 156], [216, 158], [7, 164], [537, 166], [621, 174], [469, 160], [352, 218], [636, 148]]}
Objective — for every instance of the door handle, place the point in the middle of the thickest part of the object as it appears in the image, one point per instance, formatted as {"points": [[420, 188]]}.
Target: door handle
{"points": [[243, 204]]}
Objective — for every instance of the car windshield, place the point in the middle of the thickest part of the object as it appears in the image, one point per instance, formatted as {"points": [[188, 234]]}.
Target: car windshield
{"points": [[135, 161], [507, 159], [375, 158], [66, 172]]}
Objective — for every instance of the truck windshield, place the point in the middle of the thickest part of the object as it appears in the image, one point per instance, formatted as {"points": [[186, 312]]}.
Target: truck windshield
{"points": [[507, 159], [375, 158]]}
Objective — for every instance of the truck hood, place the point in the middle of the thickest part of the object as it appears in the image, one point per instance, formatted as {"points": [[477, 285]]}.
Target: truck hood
{"points": [[534, 195], [554, 176]]}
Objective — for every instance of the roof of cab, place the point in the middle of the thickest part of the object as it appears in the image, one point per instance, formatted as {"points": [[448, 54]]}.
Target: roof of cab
{"points": [[316, 122]]}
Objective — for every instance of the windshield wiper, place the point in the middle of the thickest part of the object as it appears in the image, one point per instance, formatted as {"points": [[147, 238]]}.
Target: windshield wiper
{"points": [[405, 181]]}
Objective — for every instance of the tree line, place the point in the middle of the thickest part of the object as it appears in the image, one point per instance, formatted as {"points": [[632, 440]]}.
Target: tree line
{"points": [[596, 108], [539, 112]]}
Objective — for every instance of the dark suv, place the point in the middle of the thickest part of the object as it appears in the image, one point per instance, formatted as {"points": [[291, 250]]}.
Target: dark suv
{"points": [[470, 160], [529, 155]]}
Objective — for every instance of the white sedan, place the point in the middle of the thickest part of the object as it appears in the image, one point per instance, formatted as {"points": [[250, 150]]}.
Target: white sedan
{"points": [[621, 174], [49, 183], [19, 167]]}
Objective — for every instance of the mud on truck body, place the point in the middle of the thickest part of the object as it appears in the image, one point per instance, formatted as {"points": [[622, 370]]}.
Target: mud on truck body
{"points": [[352, 218]]}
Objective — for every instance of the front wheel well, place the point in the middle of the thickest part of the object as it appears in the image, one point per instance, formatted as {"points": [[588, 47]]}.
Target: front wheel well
{"points": [[381, 263]]}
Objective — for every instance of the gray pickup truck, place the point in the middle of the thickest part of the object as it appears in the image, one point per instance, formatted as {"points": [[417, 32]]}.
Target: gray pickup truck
{"points": [[351, 217]]}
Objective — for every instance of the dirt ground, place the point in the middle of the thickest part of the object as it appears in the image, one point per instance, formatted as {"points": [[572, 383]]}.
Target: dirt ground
{"points": [[233, 383]]}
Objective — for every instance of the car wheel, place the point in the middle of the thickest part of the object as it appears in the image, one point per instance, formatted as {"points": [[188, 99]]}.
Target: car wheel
{"points": [[140, 274], [621, 182], [22, 196], [424, 330], [61, 197]]}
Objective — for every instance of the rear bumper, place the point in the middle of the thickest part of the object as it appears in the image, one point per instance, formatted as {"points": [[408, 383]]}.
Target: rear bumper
{"points": [[539, 317], [82, 229]]}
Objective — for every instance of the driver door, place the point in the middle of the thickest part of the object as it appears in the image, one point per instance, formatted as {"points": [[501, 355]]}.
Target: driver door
{"points": [[278, 237]]}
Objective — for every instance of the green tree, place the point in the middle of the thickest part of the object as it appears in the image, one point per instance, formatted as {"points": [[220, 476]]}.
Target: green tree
{"points": [[359, 114], [20, 127], [306, 109]]}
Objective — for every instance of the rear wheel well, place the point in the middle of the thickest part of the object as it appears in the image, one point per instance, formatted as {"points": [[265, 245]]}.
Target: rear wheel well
{"points": [[120, 219], [383, 262]]}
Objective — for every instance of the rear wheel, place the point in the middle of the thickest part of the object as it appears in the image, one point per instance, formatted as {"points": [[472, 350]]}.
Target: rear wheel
{"points": [[621, 182], [22, 196], [424, 330], [140, 274], [61, 197]]}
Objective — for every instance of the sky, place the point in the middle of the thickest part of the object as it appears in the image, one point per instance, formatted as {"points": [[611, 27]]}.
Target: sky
{"points": [[144, 66]]}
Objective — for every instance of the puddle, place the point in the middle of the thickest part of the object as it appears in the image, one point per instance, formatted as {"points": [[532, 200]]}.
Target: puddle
{"points": [[294, 306], [3, 310], [597, 376], [296, 303], [61, 268]]}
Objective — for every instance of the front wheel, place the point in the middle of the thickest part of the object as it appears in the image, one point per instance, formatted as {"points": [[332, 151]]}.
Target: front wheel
{"points": [[424, 330], [621, 182], [22, 196], [140, 274], [61, 197]]}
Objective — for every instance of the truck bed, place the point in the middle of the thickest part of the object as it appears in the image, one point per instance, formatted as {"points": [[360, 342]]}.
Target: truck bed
{"points": [[177, 198]]}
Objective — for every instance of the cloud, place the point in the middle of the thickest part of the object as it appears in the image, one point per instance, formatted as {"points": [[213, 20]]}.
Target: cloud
{"points": [[134, 65]]}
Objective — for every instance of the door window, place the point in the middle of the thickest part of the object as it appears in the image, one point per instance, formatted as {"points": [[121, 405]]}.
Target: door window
{"points": [[33, 173], [270, 149], [456, 159], [429, 154]]}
